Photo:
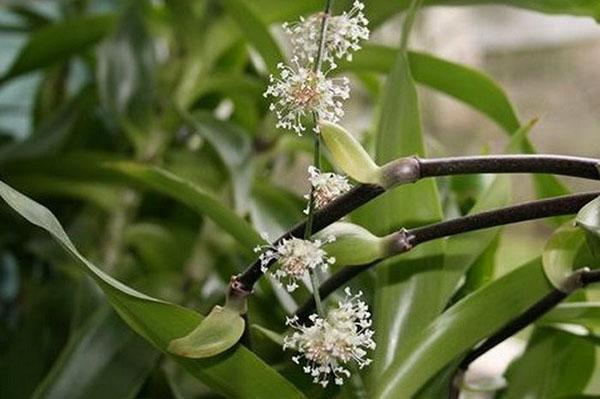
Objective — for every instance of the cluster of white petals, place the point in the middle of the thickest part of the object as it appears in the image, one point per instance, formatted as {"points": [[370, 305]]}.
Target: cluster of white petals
{"points": [[302, 94], [326, 186], [299, 92], [295, 257], [342, 37], [330, 343]]}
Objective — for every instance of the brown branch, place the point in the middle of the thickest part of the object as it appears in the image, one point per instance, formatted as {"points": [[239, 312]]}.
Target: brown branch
{"points": [[579, 279], [547, 164], [408, 239]]}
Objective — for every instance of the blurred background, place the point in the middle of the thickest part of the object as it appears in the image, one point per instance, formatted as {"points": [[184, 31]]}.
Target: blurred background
{"points": [[548, 65]]}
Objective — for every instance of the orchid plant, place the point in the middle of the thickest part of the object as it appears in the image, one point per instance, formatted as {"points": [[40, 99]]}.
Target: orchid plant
{"points": [[167, 135]]}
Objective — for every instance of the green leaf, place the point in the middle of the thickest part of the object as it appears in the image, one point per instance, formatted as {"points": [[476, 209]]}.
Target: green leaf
{"points": [[237, 373], [256, 31], [464, 249], [589, 8], [586, 314], [458, 81], [464, 84], [58, 42], [51, 136], [446, 338], [482, 270], [159, 247], [272, 336], [588, 219], [274, 210], [379, 11], [547, 186], [103, 350], [29, 351], [406, 297], [219, 331], [555, 364], [561, 252], [234, 147], [102, 195], [125, 72], [193, 196]]}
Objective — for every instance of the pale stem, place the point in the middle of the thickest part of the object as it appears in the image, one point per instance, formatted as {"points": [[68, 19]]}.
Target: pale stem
{"points": [[314, 278]]}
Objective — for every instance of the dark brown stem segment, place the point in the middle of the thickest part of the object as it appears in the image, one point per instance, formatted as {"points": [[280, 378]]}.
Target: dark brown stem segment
{"points": [[578, 279], [408, 239], [548, 164]]}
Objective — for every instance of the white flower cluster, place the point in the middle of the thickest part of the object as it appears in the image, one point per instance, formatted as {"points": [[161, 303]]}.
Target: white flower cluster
{"points": [[330, 343], [303, 89], [301, 92], [343, 35], [326, 186], [341, 337], [296, 257]]}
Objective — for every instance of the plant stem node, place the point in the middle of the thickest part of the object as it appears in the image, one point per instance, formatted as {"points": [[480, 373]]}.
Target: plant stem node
{"points": [[400, 171]]}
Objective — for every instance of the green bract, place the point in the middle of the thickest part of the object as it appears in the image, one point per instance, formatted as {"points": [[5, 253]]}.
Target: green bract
{"points": [[219, 331], [588, 219], [354, 245], [349, 155]]}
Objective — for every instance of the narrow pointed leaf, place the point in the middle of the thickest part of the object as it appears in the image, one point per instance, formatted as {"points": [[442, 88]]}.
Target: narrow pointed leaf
{"points": [[446, 338], [561, 251], [274, 337], [379, 11], [234, 147], [458, 81], [467, 85], [584, 313], [236, 374], [103, 350], [56, 42], [555, 364], [193, 196], [406, 296], [256, 31]]}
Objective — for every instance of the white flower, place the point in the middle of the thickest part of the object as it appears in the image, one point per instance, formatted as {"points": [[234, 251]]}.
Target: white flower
{"points": [[343, 36], [298, 92], [326, 186], [296, 257], [329, 344]]}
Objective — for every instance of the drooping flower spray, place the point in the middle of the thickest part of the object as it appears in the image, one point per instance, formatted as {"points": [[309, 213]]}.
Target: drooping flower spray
{"points": [[304, 96]]}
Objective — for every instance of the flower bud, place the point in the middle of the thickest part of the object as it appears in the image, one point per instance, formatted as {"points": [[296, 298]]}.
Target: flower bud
{"points": [[349, 155], [353, 245]]}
